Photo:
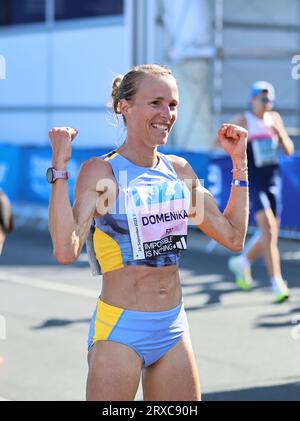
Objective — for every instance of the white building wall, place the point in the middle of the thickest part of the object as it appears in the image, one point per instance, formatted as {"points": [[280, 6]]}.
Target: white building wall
{"points": [[188, 42], [62, 76], [260, 40]]}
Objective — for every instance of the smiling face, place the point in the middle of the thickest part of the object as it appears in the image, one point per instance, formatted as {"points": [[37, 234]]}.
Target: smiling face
{"points": [[152, 113]]}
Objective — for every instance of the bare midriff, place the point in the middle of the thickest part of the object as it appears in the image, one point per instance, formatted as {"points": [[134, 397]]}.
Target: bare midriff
{"points": [[142, 288]]}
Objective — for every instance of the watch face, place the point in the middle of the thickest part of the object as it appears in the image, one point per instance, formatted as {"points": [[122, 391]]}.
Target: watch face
{"points": [[49, 175]]}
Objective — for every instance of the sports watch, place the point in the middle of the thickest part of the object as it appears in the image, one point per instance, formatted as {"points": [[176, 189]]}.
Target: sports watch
{"points": [[52, 175]]}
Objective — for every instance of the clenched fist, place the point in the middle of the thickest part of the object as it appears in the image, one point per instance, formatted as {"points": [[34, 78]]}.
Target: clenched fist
{"points": [[233, 140], [61, 138]]}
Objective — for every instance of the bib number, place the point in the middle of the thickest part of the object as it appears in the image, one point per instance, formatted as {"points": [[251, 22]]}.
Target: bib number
{"points": [[265, 152], [156, 228]]}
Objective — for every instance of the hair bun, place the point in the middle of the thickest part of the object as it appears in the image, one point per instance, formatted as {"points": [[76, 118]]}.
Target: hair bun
{"points": [[115, 93]]}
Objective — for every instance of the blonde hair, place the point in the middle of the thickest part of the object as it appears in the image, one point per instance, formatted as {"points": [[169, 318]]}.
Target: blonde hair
{"points": [[126, 87]]}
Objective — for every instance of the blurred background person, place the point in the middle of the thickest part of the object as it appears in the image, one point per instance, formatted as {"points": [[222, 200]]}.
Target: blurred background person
{"points": [[6, 218], [267, 134]]}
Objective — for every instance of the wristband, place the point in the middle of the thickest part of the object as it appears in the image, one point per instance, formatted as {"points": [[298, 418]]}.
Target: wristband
{"points": [[240, 183], [239, 170]]}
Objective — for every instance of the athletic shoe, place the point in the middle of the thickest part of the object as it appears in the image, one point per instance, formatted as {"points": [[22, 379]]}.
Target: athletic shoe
{"points": [[242, 273], [281, 291]]}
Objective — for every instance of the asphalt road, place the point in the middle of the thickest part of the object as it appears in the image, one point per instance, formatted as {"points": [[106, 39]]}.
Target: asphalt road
{"points": [[247, 347]]}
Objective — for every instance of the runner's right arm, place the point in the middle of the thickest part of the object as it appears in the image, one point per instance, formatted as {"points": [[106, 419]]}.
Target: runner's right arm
{"points": [[69, 227]]}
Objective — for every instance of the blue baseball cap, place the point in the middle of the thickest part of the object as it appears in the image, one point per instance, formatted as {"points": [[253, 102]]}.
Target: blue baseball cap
{"points": [[262, 86]]}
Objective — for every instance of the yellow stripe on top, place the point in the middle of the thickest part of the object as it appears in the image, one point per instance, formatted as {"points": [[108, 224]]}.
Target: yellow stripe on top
{"points": [[108, 251], [107, 317], [108, 158]]}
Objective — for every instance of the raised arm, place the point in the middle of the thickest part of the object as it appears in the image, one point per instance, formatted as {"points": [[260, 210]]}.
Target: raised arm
{"points": [[238, 120], [228, 228], [69, 227]]}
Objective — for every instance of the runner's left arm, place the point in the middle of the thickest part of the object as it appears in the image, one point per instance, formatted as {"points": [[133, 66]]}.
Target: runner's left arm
{"points": [[230, 227], [285, 141]]}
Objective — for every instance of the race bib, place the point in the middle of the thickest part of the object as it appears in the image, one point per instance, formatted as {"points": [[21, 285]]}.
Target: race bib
{"points": [[265, 151], [157, 218]]}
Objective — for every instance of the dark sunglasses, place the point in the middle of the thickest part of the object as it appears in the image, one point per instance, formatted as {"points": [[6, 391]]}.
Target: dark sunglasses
{"points": [[265, 100]]}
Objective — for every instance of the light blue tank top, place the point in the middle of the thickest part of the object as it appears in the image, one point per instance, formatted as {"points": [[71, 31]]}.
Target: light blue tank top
{"points": [[148, 223]]}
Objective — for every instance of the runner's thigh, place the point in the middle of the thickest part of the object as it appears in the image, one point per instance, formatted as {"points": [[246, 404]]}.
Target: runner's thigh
{"points": [[175, 376], [114, 372]]}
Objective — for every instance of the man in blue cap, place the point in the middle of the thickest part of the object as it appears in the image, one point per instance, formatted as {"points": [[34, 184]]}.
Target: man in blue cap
{"points": [[262, 86], [266, 134]]}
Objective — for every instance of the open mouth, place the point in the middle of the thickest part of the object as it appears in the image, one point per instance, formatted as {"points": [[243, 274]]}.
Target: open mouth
{"points": [[163, 128]]}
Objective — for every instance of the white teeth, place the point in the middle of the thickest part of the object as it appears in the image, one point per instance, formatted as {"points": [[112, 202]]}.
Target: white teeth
{"points": [[160, 126]]}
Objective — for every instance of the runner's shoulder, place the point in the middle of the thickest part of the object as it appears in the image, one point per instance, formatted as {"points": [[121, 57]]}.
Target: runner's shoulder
{"points": [[182, 167], [275, 115], [91, 172], [96, 166], [178, 162]]}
